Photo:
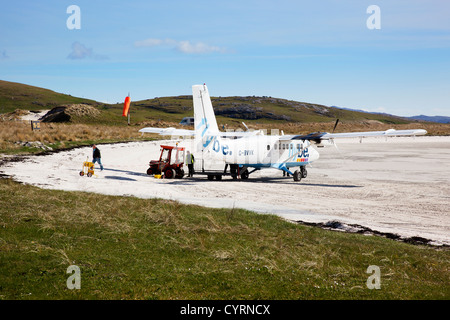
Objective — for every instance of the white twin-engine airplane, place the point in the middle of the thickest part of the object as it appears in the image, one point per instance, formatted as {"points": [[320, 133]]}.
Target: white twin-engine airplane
{"points": [[254, 149]]}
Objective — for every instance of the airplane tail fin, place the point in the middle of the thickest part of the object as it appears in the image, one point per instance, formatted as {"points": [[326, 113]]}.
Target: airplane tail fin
{"points": [[204, 118]]}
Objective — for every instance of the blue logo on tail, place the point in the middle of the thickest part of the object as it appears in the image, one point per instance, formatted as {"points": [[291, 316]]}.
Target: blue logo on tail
{"points": [[209, 139]]}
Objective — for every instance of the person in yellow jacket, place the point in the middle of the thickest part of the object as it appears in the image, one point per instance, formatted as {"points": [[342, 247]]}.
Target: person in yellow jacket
{"points": [[190, 162]]}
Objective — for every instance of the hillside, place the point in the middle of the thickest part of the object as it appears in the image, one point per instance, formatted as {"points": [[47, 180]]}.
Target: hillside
{"points": [[250, 109], [229, 110], [438, 119], [21, 96]]}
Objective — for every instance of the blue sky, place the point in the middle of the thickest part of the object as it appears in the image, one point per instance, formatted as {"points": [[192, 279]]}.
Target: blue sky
{"points": [[320, 52]]}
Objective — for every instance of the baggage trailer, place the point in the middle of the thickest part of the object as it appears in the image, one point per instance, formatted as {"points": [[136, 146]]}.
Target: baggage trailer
{"points": [[87, 169]]}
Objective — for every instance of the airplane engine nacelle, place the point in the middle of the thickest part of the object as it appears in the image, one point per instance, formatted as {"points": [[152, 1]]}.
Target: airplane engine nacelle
{"points": [[325, 143]]}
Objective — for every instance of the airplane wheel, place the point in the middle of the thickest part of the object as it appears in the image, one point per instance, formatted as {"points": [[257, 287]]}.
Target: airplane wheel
{"points": [[169, 174], [304, 172], [244, 175], [297, 175]]}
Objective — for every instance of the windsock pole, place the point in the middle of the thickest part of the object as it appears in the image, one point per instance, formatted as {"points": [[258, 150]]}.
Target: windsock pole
{"points": [[129, 101]]}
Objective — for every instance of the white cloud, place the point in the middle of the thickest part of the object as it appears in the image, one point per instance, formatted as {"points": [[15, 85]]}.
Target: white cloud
{"points": [[80, 51], [181, 46], [197, 48]]}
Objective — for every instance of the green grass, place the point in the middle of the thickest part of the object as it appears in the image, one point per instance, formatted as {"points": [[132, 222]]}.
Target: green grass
{"points": [[20, 96], [130, 248]]}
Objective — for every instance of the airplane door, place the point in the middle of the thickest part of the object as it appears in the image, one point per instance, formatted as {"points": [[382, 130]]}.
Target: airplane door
{"points": [[269, 150]]}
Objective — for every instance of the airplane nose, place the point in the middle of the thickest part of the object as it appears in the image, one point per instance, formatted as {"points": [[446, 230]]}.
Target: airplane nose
{"points": [[313, 154]]}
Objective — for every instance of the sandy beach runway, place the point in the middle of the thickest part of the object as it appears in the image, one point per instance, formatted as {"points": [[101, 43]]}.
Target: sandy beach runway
{"points": [[398, 185]]}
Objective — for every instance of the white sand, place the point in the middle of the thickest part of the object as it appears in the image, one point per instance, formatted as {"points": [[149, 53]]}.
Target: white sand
{"points": [[33, 116], [399, 185]]}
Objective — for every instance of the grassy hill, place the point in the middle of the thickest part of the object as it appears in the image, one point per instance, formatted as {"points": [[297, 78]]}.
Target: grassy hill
{"points": [[229, 110], [109, 125], [250, 109], [21, 96]]}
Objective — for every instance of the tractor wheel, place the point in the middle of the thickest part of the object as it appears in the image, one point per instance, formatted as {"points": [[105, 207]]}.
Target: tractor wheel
{"points": [[150, 171], [210, 177], [218, 177], [180, 174], [169, 174], [89, 174], [81, 173]]}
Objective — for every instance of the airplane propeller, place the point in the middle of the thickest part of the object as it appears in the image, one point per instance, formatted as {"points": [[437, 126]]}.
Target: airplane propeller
{"points": [[332, 140], [335, 125]]}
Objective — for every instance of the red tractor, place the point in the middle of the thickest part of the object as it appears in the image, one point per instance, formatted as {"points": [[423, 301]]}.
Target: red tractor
{"points": [[170, 163]]}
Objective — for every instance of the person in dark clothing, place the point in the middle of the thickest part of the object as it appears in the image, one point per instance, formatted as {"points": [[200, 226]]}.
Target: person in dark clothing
{"points": [[97, 157]]}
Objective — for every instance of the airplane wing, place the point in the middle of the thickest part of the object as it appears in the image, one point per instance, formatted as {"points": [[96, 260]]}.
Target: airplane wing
{"points": [[184, 132], [319, 136], [387, 133], [240, 133], [168, 131]]}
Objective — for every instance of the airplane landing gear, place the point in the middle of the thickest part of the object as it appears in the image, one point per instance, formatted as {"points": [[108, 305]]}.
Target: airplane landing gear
{"points": [[245, 174], [299, 174], [303, 172]]}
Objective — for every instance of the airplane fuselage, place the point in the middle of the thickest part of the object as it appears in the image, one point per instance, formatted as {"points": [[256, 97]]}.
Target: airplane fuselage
{"points": [[261, 151]]}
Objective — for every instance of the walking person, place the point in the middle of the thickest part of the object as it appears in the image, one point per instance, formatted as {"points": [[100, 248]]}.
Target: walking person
{"points": [[97, 157]]}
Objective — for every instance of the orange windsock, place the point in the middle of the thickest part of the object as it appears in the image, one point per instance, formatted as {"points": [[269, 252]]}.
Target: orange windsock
{"points": [[126, 106]]}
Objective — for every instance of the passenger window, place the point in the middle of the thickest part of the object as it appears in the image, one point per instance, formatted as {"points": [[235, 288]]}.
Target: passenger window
{"points": [[275, 146], [290, 146], [268, 147]]}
